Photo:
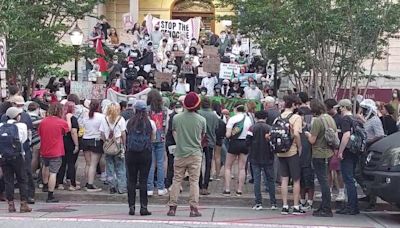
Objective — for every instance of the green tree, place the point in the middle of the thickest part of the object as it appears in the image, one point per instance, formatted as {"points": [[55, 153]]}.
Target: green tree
{"points": [[34, 30], [330, 39]]}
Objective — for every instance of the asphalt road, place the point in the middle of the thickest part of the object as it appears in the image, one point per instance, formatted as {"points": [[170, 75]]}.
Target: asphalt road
{"points": [[75, 215]]}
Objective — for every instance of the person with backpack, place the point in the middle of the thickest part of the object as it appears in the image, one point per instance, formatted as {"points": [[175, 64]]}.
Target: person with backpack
{"points": [[13, 134], [52, 130], [113, 133], [349, 157], [140, 133], [322, 152], [236, 131], [286, 143], [262, 159], [159, 114], [188, 129]]}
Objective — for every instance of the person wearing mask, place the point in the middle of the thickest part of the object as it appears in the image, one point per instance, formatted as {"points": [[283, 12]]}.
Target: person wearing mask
{"points": [[134, 54], [156, 36], [170, 145], [348, 159], [225, 88], [209, 82], [181, 87], [188, 70], [388, 119], [140, 133], [289, 162], [321, 153], [92, 143], [94, 73], [159, 114], [395, 103], [188, 129], [113, 127], [223, 43], [71, 149], [236, 130], [15, 165], [374, 129], [114, 68], [335, 176], [252, 92], [105, 26], [130, 74], [143, 42], [52, 130], [136, 87], [262, 159], [236, 91], [209, 141], [161, 55]]}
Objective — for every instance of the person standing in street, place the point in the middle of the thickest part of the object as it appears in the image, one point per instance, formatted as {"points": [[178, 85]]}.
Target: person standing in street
{"points": [[140, 132], [12, 159], [209, 141], [52, 130], [321, 153], [188, 130]]}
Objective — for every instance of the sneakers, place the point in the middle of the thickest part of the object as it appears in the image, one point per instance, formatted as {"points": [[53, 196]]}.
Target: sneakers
{"points": [[298, 211], [162, 192], [306, 206], [285, 211], [273, 207], [52, 200], [150, 193], [226, 193], [257, 207], [92, 188], [239, 193]]}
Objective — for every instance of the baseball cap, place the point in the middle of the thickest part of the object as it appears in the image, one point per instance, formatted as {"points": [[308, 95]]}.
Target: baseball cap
{"points": [[140, 105], [18, 100], [344, 103], [268, 100], [13, 112]]}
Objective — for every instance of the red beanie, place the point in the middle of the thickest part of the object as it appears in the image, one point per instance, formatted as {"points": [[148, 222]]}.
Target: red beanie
{"points": [[192, 101]]}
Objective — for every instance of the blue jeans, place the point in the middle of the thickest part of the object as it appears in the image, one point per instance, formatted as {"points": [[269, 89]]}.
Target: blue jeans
{"points": [[348, 165], [320, 166], [158, 160], [116, 172], [268, 170]]}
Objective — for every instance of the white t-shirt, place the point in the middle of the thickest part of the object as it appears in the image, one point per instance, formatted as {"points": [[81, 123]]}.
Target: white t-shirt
{"points": [[118, 127], [209, 83], [92, 126], [181, 88], [237, 118], [253, 94], [22, 130]]}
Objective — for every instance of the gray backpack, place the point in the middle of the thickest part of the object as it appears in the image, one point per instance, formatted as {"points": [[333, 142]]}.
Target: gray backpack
{"points": [[331, 135]]}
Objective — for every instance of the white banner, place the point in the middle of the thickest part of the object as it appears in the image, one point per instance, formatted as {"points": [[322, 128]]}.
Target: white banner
{"points": [[3, 54], [118, 97], [175, 28], [229, 71]]}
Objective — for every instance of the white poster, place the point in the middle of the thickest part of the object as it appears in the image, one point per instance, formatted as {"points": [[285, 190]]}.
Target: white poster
{"points": [[245, 45], [127, 21], [229, 71], [190, 28], [3, 54]]}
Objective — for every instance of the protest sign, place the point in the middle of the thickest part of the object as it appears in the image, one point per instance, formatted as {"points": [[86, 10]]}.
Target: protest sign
{"points": [[161, 77], [211, 65], [243, 78], [116, 97], [210, 51], [98, 91], [127, 21], [245, 45], [3, 54], [176, 28], [228, 70], [82, 89], [178, 53]]}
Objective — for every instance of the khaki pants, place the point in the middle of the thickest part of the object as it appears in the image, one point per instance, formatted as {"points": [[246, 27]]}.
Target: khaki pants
{"points": [[192, 164]]}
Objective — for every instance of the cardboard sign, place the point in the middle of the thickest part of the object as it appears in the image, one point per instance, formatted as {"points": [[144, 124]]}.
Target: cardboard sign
{"points": [[228, 70], [82, 89], [98, 91], [243, 78], [3, 54], [210, 51], [161, 77], [179, 53], [211, 65]]}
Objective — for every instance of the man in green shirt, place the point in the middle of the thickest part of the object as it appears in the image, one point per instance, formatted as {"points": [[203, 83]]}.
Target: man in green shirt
{"points": [[188, 129]]}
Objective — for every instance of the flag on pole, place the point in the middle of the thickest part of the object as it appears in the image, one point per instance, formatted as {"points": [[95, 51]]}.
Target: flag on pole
{"points": [[100, 60]]}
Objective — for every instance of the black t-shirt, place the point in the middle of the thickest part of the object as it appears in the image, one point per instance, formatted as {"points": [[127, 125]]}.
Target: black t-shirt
{"points": [[345, 126], [338, 120], [306, 151], [260, 152], [68, 141]]}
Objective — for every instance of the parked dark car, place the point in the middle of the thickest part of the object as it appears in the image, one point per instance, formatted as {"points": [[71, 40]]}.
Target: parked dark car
{"points": [[382, 168]]}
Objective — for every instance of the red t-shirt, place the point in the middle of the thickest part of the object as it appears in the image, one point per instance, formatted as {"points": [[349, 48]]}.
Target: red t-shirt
{"points": [[51, 131]]}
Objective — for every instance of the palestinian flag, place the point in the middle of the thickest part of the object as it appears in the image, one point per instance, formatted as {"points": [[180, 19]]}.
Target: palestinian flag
{"points": [[100, 60]]}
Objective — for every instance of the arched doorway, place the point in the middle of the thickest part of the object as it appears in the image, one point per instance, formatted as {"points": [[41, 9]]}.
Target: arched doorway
{"points": [[186, 9]]}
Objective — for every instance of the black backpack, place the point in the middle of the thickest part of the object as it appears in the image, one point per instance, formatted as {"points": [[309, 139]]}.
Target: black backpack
{"points": [[10, 146], [281, 136], [139, 139], [358, 138]]}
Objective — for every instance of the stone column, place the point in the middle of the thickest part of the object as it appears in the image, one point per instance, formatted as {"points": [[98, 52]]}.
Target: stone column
{"points": [[134, 9]]}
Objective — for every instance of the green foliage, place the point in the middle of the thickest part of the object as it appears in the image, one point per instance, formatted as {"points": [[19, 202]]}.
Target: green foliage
{"points": [[34, 29], [329, 38]]}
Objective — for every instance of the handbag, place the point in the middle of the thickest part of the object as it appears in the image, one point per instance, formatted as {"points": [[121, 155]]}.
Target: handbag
{"points": [[111, 146]]}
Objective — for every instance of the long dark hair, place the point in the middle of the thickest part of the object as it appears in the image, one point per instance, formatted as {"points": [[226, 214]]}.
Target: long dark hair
{"points": [[155, 101], [139, 121], [93, 107]]}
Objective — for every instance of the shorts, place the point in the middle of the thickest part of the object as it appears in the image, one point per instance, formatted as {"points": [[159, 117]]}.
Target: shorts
{"points": [[290, 167], [307, 177], [237, 147], [54, 164], [219, 141], [92, 145], [334, 163]]}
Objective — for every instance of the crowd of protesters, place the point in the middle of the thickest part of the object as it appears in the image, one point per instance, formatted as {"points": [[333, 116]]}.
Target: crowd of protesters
{"points": [[154, 145]]}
